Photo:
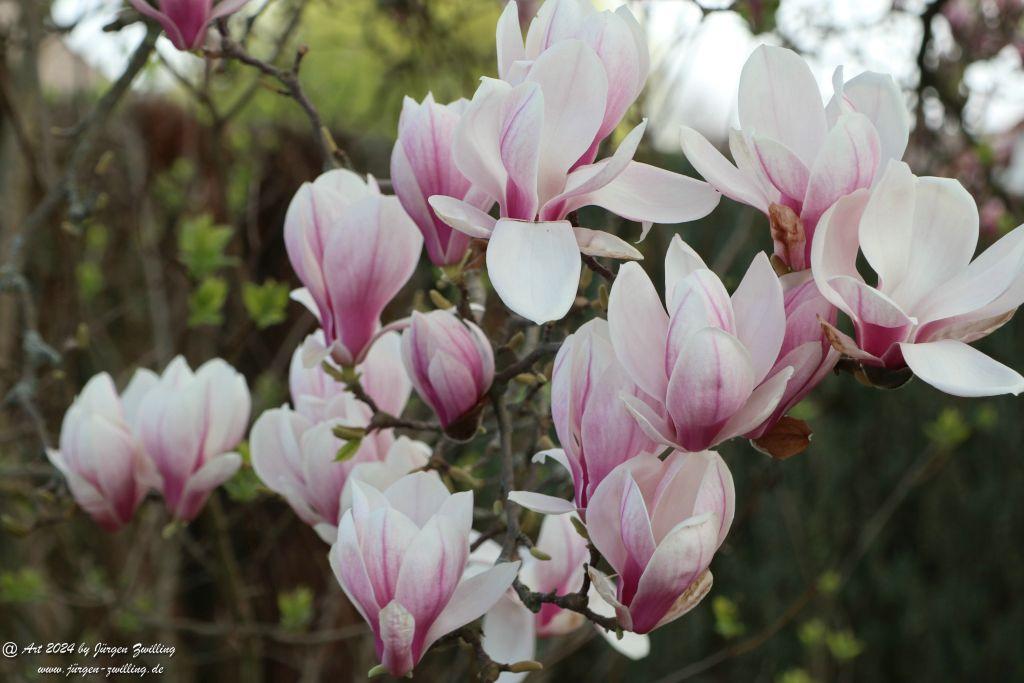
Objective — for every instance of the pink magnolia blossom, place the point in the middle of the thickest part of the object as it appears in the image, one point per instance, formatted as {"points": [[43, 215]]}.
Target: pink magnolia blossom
{"points": [[794, 151], [353, 249], [451, 364], [805, 347], [99, 455], [186, 21], [659, 523], [710, 361], [297, 458], [931, 300], [189, 423], [400, 557], [422, 166], [594, 426], [615, 37], [510, 630], [519, 145]]}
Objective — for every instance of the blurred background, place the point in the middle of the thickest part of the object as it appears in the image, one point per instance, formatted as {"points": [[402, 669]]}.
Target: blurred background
{"points": [[890, 550]]}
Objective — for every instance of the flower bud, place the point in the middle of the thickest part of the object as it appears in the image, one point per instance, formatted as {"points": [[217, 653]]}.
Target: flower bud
{"points": [[451, 365]]}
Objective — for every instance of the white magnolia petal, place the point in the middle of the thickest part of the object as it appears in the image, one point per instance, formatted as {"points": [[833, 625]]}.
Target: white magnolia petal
{"points": [[535, 267], [958, 369]]}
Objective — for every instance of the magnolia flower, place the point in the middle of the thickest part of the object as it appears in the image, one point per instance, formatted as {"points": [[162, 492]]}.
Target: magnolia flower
{"points": [[99, 455], [931, 300], [297, 458], [615, 37], [189, 423], [658, 524], [594, 426], [710, 361], [400, 558], [186, 21], [797, 154], [353, 249], [451, 364], [805, 346], [422, 166], [519, 145], [380, 374], [510, 630]]}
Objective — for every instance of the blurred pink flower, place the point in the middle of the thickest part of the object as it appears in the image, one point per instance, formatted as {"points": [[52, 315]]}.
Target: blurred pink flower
{"points": [[451, 364], [710, 361], [658, 524], [99, 455], [422, 166], [400, 557], [931, 299], [793, 151], [353, 249], [189, 423], [186, 21]]}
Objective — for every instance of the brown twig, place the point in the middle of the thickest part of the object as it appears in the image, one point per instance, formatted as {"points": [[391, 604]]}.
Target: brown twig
{"points": [[289, 78]]}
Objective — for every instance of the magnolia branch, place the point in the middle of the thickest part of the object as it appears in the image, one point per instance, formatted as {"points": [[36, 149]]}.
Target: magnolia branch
{"points": [[289, 78]]}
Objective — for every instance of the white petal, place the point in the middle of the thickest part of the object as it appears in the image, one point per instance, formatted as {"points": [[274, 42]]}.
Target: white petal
{"points": [[779, 98], [958, 369], [462, 216], [535, 268]]}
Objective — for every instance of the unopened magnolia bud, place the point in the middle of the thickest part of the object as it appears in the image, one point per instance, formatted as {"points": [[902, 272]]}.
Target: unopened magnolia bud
{"points": [[377, 671], [465, 478], [602, 296], [497, 508], [580, 528], [539, 554], [516, 342], [525, 666], [349, 433], [527, 378], [586, 277], [439, 300]]}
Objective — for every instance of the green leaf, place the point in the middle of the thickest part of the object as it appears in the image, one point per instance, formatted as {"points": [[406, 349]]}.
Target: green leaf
{"points": [[948, 430], [89, 277], [829, 582], [206, 303], [296, 608], [794, 676], [22, 586], [245, 486], [201, 246], [266, 303], [727, 617], [844, 645], [348, 449], [812, 632]]}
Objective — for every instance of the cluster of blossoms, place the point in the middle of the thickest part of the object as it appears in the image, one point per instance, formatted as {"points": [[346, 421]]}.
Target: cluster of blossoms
{"points": [[637, 400], [173, 433]]}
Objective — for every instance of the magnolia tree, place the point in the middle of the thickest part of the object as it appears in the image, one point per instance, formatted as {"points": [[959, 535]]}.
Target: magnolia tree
{"points": [[550, 325]]}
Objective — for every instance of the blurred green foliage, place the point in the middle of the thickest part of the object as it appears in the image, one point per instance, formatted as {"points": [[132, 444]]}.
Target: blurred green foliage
{"points": [[201, 245], [296, 608], [206, 303], [22, 586], [266, 303]]}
